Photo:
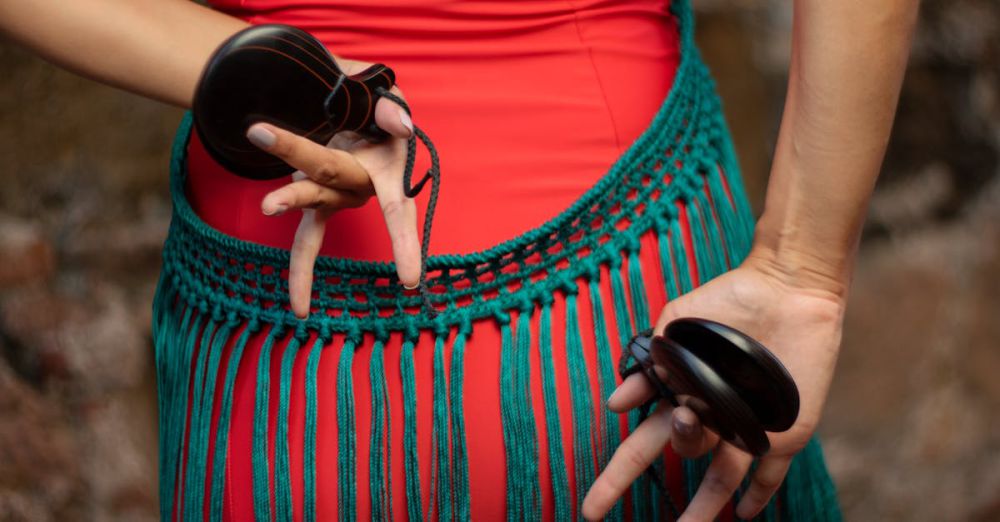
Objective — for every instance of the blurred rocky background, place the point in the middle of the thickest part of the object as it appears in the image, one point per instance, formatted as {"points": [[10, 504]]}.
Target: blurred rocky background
{"points": [[911, 427]]}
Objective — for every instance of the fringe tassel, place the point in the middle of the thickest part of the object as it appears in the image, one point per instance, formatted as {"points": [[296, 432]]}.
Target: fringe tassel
{"points": [[667, 262], [225, 414], [610, 434], [557, 464], [346, 433], [637, 289], [261, 489], [309, 433], [379, 459], [713, 238], [680, 257], [180, 414], [583, 410], [440, 476], [520, 436], [210, 354], [734, 238], [414, 506], [460, 462], [167, 373], [702, 256], [282, 475]]}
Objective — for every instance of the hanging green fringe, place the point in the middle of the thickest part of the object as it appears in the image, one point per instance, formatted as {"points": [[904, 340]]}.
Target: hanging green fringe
{"points": [[680, 257], [610, 435], [440, 476], [583, 412], [261, 489], [225, 414], [282, 475], [210, 353], [346, 434], [414, 506], [309, 433], [814, 496], [168, 392], [713, 237], [378, 457], [520, 435], [667, 260], [181, 408], [460, 461], [557, 465]]}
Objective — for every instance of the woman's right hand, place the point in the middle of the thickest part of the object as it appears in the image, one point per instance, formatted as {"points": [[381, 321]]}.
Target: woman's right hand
{"points": [[344, 174]]}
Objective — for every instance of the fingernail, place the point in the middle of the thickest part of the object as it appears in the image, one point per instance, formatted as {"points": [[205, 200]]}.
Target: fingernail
{"points": [[261, 137], [683, 428], [414, 287], [612, 396], [278, 210], [404, 118]]}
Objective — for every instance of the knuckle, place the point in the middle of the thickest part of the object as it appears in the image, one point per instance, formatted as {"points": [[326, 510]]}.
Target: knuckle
{"points": [[717, 483], [393, 208], [633, 457], [326, 173]]}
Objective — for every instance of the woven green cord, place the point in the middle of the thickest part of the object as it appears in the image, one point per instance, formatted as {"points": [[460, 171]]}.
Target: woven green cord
{"points": [[610, 435], [714, 240], [583, 413], [557, 460], [680, 257], [725, 211], [377, 443], [197, 467], [168, 421], [702, 259], [508, 418], [460, 459], [222, 429], [282, 474], [637, 289], [259, 455], [346, 434], [411, 466], [441, 436], [309, 433], [180, 412], [667, 265]]}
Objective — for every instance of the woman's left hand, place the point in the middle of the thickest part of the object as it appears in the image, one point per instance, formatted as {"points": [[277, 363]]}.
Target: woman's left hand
{"points": [[802, 326]]}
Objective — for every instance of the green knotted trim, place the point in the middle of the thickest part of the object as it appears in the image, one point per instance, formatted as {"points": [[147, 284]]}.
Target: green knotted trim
{"points": [[411, 464], [378, 457], [346, 435], [180, 409], [197, 468], [259, 455], [282, 474], [610, 435], [222, 428], [440, 494], [309, 433], [583, 409], [460, 458], [557, 460], [517, 412]]}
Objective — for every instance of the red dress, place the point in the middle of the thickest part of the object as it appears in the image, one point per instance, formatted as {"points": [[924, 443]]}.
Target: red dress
{"points": [[529, 103]]}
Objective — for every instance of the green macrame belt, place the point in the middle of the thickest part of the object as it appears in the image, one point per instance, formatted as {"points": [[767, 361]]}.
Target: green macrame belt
{"points": [[217, 291]]}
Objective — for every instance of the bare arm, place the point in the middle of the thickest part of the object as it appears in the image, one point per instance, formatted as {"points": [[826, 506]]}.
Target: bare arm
{"points": [[848, 60], [155, 48]]}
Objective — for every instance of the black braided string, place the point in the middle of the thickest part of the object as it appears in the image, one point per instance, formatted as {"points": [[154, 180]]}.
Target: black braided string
{"points": [[434, 175]]}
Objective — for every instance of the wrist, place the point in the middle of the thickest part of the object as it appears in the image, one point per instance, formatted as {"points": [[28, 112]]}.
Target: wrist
{"points": [[802, 269]]}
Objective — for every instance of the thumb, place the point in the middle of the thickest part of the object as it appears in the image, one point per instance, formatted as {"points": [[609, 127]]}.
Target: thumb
{"points": [[392, 118]]}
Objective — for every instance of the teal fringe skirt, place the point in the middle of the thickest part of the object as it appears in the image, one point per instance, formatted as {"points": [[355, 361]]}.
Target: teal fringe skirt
{"points": [[362, 411]]}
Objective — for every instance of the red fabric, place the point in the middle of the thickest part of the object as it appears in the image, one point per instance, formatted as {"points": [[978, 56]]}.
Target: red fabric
{"points": [[529, 103]]}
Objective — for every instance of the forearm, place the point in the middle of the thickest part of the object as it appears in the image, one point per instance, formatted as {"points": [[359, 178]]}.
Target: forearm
{"points": [[848, 60], [155, 48]]}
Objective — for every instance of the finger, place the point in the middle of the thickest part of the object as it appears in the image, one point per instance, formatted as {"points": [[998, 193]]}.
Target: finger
{"points": [[632, 457], [329, 167], [400, 213], [725, 473], [690, 439], [306, 193], [669, 313], [633, 391], [765, 482], [305, 248], [392, 118]]}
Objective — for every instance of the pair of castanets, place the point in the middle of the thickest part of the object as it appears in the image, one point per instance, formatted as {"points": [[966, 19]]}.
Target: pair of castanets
{"points": [[735, 385]]}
